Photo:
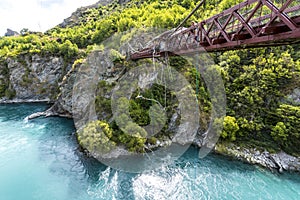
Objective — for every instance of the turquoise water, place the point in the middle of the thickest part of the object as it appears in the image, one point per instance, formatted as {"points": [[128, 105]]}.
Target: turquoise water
{"points": [[40, 160]]}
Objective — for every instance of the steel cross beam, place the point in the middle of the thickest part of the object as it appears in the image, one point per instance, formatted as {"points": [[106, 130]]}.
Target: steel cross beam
{"points": [[253, 23]]}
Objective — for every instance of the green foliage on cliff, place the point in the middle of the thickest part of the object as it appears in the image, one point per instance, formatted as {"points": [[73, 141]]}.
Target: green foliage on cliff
{"points": [[36, 44], [96, 137], [286, 131], [257, 81], [230, 128], [97, 24], [145, 107]]}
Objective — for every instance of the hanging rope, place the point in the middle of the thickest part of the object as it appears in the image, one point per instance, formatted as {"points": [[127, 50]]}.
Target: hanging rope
{"points": [[153, 58], [165, 85], [168, 66], [197, 83]]}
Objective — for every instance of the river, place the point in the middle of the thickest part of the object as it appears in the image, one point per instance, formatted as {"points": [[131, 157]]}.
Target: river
{"points": [[40, 160]]}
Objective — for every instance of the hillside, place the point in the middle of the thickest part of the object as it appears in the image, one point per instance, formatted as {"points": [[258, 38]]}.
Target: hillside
{"points": [[262, 85]]}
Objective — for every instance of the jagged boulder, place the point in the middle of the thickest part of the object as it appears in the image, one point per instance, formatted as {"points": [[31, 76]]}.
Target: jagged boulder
{"points": [[10, 32]]}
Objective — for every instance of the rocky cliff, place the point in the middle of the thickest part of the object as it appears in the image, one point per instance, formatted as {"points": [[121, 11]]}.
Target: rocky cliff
{"points": [[280, 161], [32, 77], [45, 76], [10, 32]]}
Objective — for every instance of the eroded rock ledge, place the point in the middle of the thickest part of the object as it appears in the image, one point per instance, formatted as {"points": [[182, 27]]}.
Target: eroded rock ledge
{"points": [[280, 161], [53, 111], [11, 101]]}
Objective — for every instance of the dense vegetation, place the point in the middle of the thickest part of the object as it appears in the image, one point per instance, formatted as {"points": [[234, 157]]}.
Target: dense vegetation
{"points": [[258, 81], [259, 110]]}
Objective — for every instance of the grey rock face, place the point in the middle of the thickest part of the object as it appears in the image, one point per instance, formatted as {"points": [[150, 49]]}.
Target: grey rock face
{"points": [[286, 162], [63, 104], [34, 77], [280, 161], [294, 97], [10, 32], [97, 67]]}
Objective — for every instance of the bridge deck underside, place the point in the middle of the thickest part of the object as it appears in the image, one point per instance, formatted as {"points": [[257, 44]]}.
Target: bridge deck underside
{"points": [[277, 34]]}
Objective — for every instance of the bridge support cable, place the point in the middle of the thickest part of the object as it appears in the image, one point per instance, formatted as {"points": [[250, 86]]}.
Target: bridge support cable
{"points": [[197, 81], [191, 14]]}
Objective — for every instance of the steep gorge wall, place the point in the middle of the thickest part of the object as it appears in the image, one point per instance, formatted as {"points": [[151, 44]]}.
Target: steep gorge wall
{"points": [[31, 77]]}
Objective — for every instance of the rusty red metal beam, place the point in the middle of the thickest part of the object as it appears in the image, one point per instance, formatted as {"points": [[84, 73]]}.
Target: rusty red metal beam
{"points": [[234, 29]]}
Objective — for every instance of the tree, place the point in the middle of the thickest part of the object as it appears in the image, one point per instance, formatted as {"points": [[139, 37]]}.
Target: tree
{"points": [[96, 137], [280, 133], [68, 49], [230, 128]]}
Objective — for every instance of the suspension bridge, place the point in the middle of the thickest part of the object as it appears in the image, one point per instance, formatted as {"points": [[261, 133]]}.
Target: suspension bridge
{"points": [[253, 23]]}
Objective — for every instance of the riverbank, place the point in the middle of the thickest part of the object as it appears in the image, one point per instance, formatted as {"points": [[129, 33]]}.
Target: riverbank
{"points": [[45, 154], [55, 109], [279, 161], [11, 101]]}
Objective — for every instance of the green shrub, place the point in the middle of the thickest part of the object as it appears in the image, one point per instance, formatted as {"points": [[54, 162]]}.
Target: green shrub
{"points": [[280, 133], [96, 137], [230, 128], [10, 93]]}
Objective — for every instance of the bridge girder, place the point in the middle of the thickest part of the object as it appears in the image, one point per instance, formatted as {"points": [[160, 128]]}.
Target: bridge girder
{"points": [[253, 23]]}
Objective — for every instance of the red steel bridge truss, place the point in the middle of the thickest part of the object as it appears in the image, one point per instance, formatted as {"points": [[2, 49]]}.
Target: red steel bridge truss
{"points": [[253, 23]]}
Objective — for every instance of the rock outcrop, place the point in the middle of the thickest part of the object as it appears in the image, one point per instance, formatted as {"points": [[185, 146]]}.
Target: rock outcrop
{"points": [[294, 97], [10, 32], [36, 78], [280, 161], [32, 77]]}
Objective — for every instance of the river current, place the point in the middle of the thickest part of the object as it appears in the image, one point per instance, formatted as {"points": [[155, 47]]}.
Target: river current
{"points": [[40, 160]]}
